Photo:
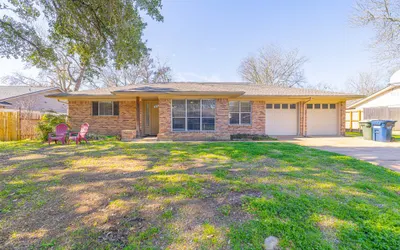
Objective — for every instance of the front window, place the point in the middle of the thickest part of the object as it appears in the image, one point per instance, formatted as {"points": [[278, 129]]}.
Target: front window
{"points": [[193, 115], [105, 108], [240, 113]]}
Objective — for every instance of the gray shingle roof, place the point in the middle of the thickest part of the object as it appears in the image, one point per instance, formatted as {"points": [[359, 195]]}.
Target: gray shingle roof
{"points": [[7, 92], [244, 89]]}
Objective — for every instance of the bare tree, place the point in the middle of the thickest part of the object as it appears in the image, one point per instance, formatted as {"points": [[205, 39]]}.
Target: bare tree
{"points": [[320, 86], [384, 17], [148, 71], [66, 73], [273, 66], [365, 83]]}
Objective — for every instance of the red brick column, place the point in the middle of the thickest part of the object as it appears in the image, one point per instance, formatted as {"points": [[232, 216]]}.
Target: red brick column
{"points": [[222, 115], [342, 118], [303, 118], [164, 109]]}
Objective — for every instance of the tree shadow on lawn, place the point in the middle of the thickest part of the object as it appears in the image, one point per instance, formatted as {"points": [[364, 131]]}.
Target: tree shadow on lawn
{"points": [[195, 195]]}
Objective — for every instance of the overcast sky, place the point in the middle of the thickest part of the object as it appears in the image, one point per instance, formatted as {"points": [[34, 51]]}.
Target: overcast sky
{"points": [[205, 40]]}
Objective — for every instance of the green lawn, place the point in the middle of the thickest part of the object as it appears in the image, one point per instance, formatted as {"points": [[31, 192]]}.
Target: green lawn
{"points": [[353, 134], [115, 195]]}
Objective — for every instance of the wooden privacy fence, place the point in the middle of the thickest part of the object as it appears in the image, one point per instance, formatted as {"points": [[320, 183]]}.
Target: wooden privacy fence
{"points": [[353, 117], [385, 113], [18, 125]]}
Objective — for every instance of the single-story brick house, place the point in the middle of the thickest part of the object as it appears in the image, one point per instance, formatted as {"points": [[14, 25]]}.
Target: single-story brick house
{"points": [[208, 111]]}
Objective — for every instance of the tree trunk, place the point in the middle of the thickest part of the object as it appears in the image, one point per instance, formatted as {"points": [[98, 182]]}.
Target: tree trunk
{"points": [[80, 79]]}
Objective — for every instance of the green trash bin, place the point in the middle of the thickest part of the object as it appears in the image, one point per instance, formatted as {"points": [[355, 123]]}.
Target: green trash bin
{"points": [[366, 129]]}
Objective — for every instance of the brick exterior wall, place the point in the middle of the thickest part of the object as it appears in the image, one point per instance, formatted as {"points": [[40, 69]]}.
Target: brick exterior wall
{"points": [[302, 118], [342, 118], [81, 111], [257, 121]]}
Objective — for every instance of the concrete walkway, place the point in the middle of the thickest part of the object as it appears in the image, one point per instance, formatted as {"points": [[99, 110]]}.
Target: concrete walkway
{"points": [[378, 153]]}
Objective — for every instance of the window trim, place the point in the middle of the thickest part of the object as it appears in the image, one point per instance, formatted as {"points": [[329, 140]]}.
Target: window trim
{"points": [[240, 114], [186, 117], [98, 108]]}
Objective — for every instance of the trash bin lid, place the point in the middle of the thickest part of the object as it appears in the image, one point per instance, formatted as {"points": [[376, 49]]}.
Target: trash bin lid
{"points": [[380, 122]]}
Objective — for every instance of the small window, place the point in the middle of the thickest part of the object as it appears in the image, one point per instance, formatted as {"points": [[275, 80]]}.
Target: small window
{"points": [[269, 106], [105, 108], [285, 106], [239, 112], [317, 106], [332, 106], [325, 106], [309, 106], [277, 106], [292, 106]]}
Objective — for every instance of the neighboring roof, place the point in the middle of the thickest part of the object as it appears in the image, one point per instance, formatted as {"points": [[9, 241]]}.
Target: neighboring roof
{"points": [[380, 92], [7, 92], [3, 103], [351, 102], [197, 88]]}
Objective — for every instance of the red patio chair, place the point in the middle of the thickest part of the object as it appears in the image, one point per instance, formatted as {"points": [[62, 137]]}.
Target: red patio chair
{"points": [[79, 136], [60, 134]]}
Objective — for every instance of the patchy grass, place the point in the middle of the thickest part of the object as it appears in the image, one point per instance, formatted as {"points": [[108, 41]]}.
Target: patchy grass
{"points": [[396, 137], [115, 195], [353, 134]]}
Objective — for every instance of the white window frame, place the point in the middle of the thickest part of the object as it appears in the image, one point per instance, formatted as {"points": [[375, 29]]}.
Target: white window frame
{"points": [[240, 114], [186, 116]]}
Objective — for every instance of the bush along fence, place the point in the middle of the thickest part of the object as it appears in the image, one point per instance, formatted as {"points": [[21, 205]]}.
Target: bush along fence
{"points": [[18, 124]]}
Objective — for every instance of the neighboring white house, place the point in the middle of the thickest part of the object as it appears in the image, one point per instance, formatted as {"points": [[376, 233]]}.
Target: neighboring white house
{"points": [[30, 98], [384, 104]]}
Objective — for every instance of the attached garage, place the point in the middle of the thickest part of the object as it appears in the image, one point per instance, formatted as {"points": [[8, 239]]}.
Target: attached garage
{"points": [[281, 119], [322, 119]]}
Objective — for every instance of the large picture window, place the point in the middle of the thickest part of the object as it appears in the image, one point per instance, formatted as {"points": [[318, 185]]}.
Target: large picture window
{"points": [[105, 108], [193, 115], [239, 113]]}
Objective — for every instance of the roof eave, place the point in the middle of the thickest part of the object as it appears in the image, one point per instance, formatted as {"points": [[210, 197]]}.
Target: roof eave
{"points": [[181, 93], [390, 87], [346, 97]]}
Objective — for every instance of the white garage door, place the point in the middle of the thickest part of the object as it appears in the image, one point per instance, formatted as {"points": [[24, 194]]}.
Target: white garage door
{"points": [[322, 119], [281, 119]]}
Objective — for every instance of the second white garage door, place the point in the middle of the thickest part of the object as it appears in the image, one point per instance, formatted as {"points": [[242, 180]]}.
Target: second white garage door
{"points": [[281, 119], [322, 119]]}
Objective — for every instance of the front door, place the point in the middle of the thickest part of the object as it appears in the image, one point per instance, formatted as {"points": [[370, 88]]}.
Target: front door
{"points": [[150, 117]]}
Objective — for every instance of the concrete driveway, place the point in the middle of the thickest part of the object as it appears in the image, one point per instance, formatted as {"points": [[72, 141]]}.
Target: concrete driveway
{"points": [[378, 153]]}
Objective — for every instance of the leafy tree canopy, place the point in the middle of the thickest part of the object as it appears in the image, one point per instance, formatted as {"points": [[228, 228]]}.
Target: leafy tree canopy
{"points": [[98, 31]]}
